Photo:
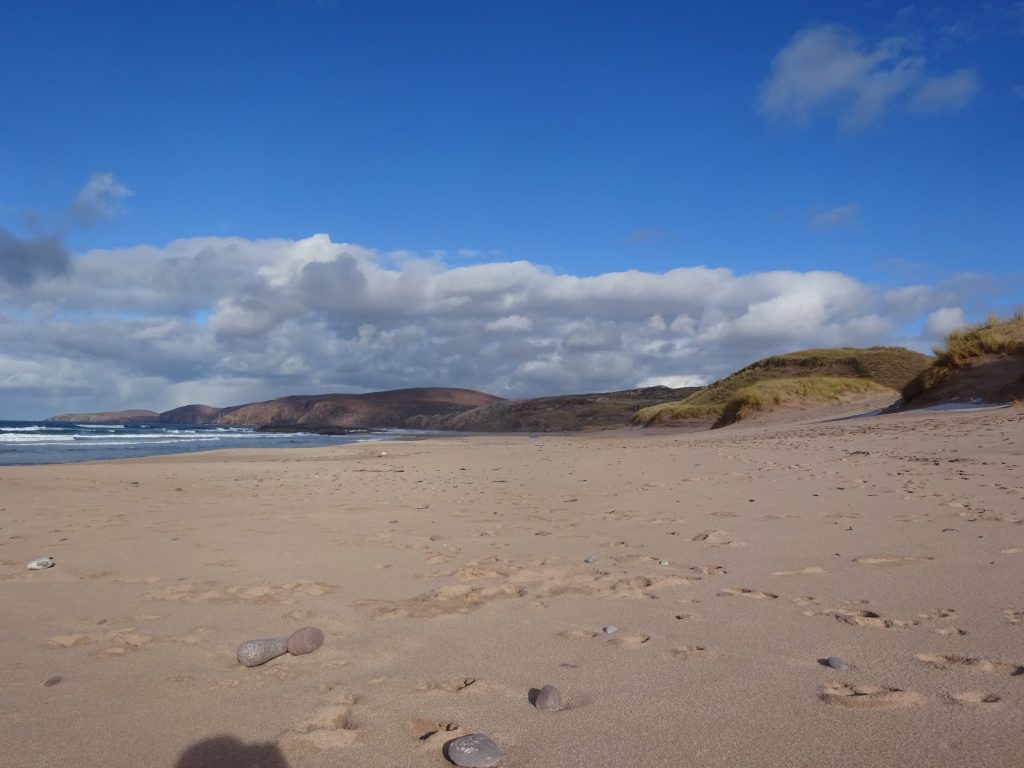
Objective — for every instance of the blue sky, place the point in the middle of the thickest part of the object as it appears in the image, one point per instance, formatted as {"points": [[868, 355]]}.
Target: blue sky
{"points": [[874, 142]]}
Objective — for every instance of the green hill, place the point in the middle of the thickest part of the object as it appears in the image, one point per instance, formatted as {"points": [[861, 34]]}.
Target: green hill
{"points": [[890, 367]]}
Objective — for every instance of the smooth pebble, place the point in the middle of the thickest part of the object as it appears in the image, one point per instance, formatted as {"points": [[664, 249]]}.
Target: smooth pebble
{"points": [[55, 680], [589, 559], [305, 640], [252, 653], [610, 629], [548, 699], [474, 751], [835, 662], [40, 563]]}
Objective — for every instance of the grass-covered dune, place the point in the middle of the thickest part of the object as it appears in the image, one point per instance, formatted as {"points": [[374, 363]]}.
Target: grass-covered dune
{"points": [[768, 394], [984, 361], [890, 367]]}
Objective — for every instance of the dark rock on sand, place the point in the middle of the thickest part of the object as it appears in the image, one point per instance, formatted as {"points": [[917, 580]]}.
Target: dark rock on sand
{"points": [[252, 653], [55, 680], [474, 751], [305, 640]]}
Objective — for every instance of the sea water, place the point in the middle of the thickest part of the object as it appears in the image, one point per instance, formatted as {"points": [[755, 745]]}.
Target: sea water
{"points": [[36, 442]]}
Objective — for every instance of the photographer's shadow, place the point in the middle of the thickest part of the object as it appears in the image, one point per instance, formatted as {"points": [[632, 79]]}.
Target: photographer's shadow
{"points": [[229, 752]]}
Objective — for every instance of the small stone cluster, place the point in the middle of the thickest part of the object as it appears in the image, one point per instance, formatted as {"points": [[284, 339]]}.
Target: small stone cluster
{"points": [[476, 750], [252, 653]]}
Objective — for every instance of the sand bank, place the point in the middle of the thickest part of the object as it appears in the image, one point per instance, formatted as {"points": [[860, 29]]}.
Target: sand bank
{"points": [[453, 576]]}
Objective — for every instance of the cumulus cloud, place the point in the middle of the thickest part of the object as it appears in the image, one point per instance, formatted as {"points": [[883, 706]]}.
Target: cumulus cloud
{"points": [[509, 324], [24, 260], [840, 217], [229, 320], [675, 382], [100, 198], [942, 321], [829, 68]]}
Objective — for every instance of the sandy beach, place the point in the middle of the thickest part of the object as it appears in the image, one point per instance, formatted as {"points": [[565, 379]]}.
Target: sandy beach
{"points": [[452, 576]]}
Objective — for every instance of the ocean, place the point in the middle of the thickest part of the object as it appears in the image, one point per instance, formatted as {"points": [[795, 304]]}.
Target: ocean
{"points": [[36, 442]]}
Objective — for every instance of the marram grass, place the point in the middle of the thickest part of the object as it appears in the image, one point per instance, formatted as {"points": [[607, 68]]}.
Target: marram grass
{"points": [[891, 367], [770, 393], [993, 337]]}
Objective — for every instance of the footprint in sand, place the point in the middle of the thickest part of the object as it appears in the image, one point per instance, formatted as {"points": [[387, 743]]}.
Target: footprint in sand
{"points": [[454, 685], [708, 570], [1013, 616], [579, 634], [125, 641], [458, 598], [432, 733], [865, 619], [945, 661], [694, 652], [195, 637], [975, 699], [868, 696], [716, 538], [753, 594], [331, 726], [629, 641], [891, 559], [67, 641], [809, 570], [621, 640]]}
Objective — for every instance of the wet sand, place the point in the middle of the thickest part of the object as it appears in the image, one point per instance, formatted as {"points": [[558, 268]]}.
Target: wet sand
{"points": [[453, 576]]}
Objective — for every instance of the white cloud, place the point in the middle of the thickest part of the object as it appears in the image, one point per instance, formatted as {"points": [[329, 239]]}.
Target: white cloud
{"points": [[229, 320], [100, 198], [509, 323], [829, 68], [942, 321], [946, 93], [840, 217], [675, 382]]}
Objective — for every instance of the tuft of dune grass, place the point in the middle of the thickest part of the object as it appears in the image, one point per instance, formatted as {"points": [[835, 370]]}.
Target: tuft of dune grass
{"points": [[992, 337]]}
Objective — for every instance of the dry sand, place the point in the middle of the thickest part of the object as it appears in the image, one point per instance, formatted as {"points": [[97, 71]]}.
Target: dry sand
{"points": [[449, 577]]}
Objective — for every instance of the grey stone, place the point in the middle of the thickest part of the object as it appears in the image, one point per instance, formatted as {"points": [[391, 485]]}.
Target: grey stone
{"points": [[835, 662], [611, 628], [474, 751], [589, 559], [252, 653], [549, 699]]}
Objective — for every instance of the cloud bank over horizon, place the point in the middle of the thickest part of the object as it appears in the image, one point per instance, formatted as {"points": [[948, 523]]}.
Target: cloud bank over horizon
{"points": [[226, 320]]}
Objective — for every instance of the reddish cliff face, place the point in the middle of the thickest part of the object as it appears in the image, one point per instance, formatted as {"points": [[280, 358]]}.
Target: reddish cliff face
{"points": [[396, 408], [191, 414]]}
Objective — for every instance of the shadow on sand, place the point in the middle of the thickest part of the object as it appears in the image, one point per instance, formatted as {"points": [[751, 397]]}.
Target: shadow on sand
{"points": [[229, 752]]}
